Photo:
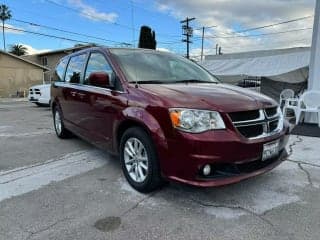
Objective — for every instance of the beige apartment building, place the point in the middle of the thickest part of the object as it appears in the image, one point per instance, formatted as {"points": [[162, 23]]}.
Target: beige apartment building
{"points": [[18, 74]]}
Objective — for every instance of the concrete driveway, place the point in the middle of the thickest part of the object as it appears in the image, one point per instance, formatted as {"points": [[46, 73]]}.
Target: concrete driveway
{"points": [[67, 189]]}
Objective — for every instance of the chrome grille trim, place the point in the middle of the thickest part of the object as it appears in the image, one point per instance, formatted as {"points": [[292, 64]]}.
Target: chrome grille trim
{"points": [[263, 120], [260, 118]]}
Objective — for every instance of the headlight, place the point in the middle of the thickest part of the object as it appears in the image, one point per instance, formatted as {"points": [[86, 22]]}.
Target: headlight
{"points": [[195, 121]]}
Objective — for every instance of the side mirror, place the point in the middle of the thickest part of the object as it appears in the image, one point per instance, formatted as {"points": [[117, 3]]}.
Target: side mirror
{"points": [[100, 79]]}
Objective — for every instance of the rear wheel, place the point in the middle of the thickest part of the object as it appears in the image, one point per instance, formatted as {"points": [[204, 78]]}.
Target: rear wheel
{"points": [[61, 131], [139, 160]]}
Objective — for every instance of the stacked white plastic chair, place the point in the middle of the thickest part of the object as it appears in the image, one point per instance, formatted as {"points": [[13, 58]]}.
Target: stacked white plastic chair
{"points": [[309, 102], [286, 94], [288, 101]]}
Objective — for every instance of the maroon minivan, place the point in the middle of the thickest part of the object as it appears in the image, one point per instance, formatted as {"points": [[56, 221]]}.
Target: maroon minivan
{"points": [[166, 117]]}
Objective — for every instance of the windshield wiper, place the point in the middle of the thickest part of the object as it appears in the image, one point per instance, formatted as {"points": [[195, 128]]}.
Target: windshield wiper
{"points": [[172, 81], [148, 82], [193, 81]]}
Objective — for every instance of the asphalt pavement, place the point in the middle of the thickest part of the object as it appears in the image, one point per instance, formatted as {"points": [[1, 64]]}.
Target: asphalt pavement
{"points": [[67, 189]]}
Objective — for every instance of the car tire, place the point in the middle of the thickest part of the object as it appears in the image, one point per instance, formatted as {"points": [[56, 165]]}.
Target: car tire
{"points": [[59, 127], [139, 160], [42, 105]]}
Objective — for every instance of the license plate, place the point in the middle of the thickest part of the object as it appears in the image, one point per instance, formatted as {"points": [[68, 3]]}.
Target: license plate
{"points": [[270, 150]]}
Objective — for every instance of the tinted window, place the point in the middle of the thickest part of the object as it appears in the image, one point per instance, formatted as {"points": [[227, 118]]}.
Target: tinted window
{"points": [[59, 72], [97, 63], [74, 69]]}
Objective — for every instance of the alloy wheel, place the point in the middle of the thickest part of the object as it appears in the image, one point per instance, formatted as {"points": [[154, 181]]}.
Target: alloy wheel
{"points": [[136, 159], [57, 122]]}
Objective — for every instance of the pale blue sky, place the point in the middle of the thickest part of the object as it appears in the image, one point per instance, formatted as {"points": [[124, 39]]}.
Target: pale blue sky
{"points": [[115, 24], [113, 20]]}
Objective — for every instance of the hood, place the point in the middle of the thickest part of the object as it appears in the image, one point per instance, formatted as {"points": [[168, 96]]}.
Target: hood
{"points": [[41, 86], [219, 97]]}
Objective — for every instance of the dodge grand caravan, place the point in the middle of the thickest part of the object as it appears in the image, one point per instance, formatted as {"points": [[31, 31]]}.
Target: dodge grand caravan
{"points": [[166, 117]]}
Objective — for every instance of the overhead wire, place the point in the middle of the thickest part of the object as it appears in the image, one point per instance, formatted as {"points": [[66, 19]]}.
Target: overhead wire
{"points": [[64, 31], [47, 35]]}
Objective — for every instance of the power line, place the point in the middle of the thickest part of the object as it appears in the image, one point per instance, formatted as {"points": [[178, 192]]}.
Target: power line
{"points": [[272, 25], [81, 34], [88, 15], [62, 30], [267, 26], [47, 35], [260, 35], [93, 17], [200, 28], [262, 27]]}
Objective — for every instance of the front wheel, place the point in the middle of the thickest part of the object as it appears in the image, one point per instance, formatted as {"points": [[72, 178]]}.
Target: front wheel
{"points": [[61, 131], [139, 160]]}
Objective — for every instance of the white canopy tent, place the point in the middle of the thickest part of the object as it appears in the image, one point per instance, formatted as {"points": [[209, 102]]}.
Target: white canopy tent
{"points": [[278, 69], [283, 65]]}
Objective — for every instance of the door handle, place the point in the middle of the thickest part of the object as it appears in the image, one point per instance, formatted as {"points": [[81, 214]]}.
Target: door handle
{"points": [[73, 94]]}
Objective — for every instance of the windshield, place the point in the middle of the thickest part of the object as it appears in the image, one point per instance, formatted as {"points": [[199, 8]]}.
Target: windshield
{"points": [[159, 67]]}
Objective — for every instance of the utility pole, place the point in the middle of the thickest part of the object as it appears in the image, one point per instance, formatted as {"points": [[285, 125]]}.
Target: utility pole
{"points": [[202, 43], [203, 28], [187, 31], [132, 24]]}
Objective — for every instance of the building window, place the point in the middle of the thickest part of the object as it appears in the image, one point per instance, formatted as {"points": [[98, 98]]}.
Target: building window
{"points": [[44, 61]]}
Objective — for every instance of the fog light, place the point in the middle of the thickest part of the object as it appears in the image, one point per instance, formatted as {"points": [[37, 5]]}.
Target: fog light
{"points": [[206, 170]]}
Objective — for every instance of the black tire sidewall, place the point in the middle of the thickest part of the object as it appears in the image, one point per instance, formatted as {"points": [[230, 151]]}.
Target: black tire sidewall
{"points": [[152, 179], [64, 132]]}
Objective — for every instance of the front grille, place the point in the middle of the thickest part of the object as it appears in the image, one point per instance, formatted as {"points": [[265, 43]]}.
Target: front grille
{"points": [[37, 91], [273, 125], [251, 131], [256, 123], [270, 112], [244, 116]]}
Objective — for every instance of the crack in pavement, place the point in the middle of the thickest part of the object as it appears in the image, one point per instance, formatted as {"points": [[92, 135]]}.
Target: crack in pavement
{"points": [[31, 233], [307, 174], [248, 211], [19, 225], [294, 143], [138, 203], [304, 163], [234, 207]]}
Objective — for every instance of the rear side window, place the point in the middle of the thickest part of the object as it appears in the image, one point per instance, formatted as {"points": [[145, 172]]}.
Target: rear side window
{"points": [[59, 72], [74, 69], [97, 63]]}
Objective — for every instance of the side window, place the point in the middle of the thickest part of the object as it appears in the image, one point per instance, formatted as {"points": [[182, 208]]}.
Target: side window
{"points": [[97, 63], [74, 69], [58, 75]]}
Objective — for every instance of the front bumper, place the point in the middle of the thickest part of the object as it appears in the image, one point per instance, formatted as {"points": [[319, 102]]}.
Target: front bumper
{"points": [[233, 158], [229, 178]]}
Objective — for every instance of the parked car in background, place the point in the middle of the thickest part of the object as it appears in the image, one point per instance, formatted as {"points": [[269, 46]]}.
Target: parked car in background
{"points": [[166, 117], [40, 94]]}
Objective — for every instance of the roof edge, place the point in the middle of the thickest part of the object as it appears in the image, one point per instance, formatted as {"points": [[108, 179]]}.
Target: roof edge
{"points": [[24, 60]]}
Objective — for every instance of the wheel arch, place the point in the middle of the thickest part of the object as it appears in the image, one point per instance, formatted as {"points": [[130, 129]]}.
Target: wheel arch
{"points": [[139, 117]]}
